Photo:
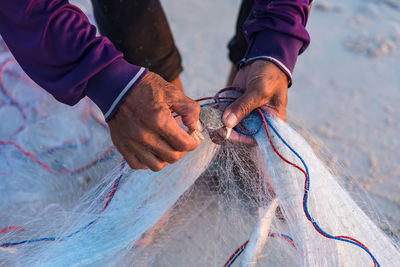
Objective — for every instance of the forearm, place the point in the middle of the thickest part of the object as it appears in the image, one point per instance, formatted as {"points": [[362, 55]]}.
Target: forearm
{"points": [[276, 32], [57, 47]]}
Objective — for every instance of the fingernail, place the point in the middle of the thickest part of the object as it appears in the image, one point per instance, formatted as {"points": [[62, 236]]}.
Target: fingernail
{"points": [[201, 136], [230, 120], [199, 126], [195, 136], [228, 132]]}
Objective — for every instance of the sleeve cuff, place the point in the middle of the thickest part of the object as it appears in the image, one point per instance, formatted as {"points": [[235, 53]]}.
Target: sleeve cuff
{"points": [[278, 48], [108, 88]]}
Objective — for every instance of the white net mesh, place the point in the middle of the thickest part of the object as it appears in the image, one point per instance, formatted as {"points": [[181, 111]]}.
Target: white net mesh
{"points": [[68, 200]]}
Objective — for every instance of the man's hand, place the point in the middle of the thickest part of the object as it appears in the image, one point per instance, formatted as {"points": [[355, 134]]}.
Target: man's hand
{"points": [[266, 87], [144, 130]]}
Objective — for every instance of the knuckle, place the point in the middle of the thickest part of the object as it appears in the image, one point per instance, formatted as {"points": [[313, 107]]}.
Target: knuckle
{"points": [[159, 123], [141, 135], [182, 147], [132, 163], [174, 157], [187, 146], [157, 113], [263, 93], [244, 109], [195, 107], [189, 105], [159, 118]]}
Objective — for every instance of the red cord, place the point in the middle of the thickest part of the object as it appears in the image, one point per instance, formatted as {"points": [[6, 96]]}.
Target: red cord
{"points": [[236, 252], [111, 195], [245, 244], [11, 228], [305, 186], [50, 169], [284, 159], [305, 191]]}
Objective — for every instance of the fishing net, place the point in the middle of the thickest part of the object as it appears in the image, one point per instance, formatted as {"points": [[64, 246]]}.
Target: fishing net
{"points": [[69, 198]]}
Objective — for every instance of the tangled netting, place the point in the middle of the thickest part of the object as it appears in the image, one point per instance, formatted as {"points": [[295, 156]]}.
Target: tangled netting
{"points": [[68, 197]]}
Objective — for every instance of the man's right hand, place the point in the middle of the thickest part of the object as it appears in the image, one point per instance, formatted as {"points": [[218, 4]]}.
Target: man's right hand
{"points": [[144, 130]]}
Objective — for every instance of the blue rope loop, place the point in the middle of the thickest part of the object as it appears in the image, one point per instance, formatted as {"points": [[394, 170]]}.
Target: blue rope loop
{"points": [[250, 125]]}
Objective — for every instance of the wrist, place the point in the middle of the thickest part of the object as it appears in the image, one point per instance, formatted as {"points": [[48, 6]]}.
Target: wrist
{"points": [[268, 62], [108, 88], [261, 70], [269, 69]]}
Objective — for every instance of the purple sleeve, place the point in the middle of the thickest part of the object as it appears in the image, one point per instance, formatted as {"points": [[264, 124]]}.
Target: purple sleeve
{"points": [[57, 47], [275, 30]]}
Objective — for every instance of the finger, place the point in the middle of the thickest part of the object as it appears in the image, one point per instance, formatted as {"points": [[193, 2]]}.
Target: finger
{"points": [[241, 139], [235, 138], [166, 126], [242, 107], [178, 138], [131, 159], [135, 163], [161, 149], [147, 157], [189, 111], [218, 137]]}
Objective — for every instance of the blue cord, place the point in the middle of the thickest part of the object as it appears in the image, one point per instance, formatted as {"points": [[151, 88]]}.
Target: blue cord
{"points": [[69, 235], [234, 258], [240, 252], [252, 133], [306, 195]]}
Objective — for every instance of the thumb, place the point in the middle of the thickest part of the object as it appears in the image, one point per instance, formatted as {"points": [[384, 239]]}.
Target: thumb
{"points": [[242, 107], [189, 110]]}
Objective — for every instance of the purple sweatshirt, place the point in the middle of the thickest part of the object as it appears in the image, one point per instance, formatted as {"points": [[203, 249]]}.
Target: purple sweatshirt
{"points": [[57, 47]]}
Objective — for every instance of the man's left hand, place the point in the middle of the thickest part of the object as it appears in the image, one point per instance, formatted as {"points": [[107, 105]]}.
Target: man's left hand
{"points": [[265, 86]]}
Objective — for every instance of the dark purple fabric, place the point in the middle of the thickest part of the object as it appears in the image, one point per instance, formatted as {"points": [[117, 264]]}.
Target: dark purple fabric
{"points": [[106, 86], [57, 47], [276, 28]]}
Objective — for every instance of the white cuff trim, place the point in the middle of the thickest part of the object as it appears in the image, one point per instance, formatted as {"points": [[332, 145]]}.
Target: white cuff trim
{"points": [[123, 92], [274, 60]]}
